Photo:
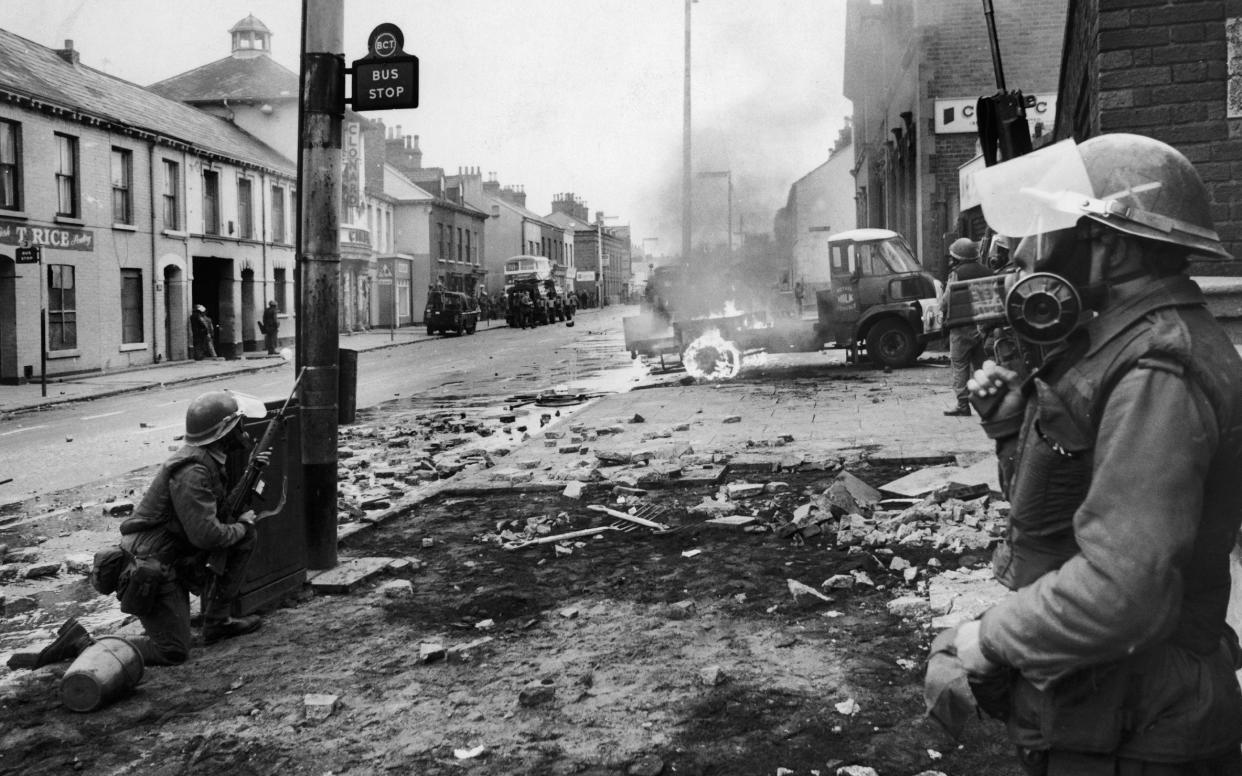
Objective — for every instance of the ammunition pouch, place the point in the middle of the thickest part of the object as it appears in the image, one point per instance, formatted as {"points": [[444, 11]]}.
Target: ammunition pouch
{"points": [[106, 570], [139, 585]]}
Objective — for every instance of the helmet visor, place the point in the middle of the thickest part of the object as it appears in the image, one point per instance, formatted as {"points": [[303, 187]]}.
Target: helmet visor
{"points": [[249, 406], [1039, 192]]}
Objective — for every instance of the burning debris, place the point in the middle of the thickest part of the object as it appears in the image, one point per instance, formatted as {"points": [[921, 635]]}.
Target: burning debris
{"points": [[711, 357]]}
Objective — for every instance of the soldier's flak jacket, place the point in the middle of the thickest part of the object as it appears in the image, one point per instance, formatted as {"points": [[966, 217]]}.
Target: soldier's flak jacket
{"points": [[1124, 471]]}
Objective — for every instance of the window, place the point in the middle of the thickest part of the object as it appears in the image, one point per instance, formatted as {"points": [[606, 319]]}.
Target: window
{"points": [[122, 185], [131, 306], [440, 241], [278, 214], [172, 195], [245, 209], [211, 202], [278, 280], [10, 166], [62, 308], [459, 243], [468, 257], [66, 176]]}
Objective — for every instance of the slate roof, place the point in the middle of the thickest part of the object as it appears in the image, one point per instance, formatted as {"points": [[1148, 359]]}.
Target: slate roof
{"points": [[38, 74], [254, 78]]}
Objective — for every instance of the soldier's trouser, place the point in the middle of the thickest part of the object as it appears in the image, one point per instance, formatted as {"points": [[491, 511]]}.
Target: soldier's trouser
{"points": [[965, 356], [1043, 763], [166, 640]]}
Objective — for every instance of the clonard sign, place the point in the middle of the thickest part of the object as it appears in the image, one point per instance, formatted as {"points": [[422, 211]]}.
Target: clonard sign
{"points": [[62, 238], [386, 79]]}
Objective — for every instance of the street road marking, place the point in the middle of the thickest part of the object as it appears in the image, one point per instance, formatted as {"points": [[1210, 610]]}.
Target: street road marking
{"points": [[104, 415], [19, 430]]}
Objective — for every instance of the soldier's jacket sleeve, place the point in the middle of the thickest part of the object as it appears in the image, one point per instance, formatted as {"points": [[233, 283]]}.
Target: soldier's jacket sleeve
{"points": [[1135, 532], [195, 491]]}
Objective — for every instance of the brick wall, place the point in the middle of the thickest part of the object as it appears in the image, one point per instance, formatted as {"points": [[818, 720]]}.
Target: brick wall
{"points": [[1160, 68]]}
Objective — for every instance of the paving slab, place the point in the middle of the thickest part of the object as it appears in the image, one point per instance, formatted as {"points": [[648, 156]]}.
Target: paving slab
{"points": [[346, 575]]}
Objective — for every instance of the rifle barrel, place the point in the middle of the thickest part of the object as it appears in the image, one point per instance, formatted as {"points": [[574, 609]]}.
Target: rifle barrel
{"points": [[990, 14]]}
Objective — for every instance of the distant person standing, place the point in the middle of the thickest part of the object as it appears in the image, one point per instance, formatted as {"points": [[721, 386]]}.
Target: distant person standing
{"points": [[965, 342], [799, 291], [271, 325], [203, 331]]}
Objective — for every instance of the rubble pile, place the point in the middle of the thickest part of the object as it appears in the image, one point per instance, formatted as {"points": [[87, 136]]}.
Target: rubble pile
{"points": [[379, 464]]}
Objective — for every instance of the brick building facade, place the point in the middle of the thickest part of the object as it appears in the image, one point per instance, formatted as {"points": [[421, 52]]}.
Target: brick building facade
{"points": [[913, 70], [142, 207], [1172, 71]]}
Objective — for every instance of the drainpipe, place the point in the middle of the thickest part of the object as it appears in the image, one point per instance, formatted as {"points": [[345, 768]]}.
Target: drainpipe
{"points": [[155, 281]]}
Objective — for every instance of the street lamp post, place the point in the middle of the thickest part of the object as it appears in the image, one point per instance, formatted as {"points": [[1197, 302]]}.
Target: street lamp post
{"points": [[685, 150], [728, 176]]}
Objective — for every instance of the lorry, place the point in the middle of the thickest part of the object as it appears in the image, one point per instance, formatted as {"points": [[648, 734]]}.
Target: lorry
{"points": [[878, 297]]}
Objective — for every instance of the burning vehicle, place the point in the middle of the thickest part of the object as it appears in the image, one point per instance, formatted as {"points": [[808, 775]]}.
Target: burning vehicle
{"points": [[878, 297]]}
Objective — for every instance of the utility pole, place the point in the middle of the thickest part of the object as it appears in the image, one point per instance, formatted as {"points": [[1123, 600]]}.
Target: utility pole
{"points": [[685, 152], [321, 110]]}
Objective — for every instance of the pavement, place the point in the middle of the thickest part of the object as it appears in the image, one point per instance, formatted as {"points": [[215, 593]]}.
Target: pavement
{"points": [[96, 385]]}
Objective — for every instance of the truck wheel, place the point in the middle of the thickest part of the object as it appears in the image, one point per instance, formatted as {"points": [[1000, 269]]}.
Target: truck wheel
{"points": [[891, 343]]}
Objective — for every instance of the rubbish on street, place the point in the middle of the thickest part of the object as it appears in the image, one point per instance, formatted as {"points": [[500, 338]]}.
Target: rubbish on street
{"points": [[561, 537], [319, 706], [469, 754], [642, 517], [848, 707], [690, 553], [797, 588]]}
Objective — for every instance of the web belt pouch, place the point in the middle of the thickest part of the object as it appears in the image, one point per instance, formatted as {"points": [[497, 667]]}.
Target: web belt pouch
{"points": [[106, 570], [1089, 712], [140, 586]]}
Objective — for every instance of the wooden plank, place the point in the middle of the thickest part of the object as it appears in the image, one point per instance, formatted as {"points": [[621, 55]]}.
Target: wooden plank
{"points": [[347, 574]]}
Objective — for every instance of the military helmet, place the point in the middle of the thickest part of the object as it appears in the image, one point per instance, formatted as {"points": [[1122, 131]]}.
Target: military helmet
{"points": [[1129, 183], [964, 249], [212, 415]]}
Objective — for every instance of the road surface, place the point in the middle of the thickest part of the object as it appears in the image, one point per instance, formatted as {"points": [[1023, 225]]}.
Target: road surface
{"points": [[65, 446]]}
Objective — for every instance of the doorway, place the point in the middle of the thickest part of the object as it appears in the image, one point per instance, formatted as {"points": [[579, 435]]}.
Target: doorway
{"points": [[175, 314], [248, 321]]}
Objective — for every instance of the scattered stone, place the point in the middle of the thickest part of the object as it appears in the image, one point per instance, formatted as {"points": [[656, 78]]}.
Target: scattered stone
{"points": [[570, 613], [909, 606], [743, 489], [118, 508], [469, 754], [430, 652], [573, 490], [849, 707], [797, 589], [857, 770], [319, 706], [638, 419], [736, 522], [898, 563], [838, 582], [20, 605], [40, 570], [537, 694], [713, 508], [776, 487], [428, 542], [487, 624], [647, 765], [712, 675], [376, 503], [397, 588], [732, 419]]}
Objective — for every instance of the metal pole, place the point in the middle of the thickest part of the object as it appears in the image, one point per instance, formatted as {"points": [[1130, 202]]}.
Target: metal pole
{"points": [[42, 329], [322, 108], [685, 152], [599, 246], [996, 55], [729, 178]]}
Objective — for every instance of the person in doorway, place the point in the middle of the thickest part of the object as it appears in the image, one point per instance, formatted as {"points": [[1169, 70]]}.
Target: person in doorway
{"points": [[1120, 457], [271, 327], [798, 292], [203, 332], [965, 342]]}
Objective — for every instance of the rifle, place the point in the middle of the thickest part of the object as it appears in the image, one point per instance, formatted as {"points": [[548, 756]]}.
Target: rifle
{"points": [[1001, 118], [238, 499]]}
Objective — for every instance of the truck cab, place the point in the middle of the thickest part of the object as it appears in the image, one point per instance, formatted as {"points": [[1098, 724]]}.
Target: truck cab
{"points": [[879, 296]]}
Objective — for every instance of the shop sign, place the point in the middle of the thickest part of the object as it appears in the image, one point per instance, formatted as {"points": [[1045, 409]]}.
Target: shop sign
{"points": [[59, 237]]}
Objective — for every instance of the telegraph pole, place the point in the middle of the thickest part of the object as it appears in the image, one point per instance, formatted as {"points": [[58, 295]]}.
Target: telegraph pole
{"points": [[685, 152], [321, 111]]}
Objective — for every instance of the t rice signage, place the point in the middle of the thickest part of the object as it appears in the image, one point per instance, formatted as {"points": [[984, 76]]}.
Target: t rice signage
{"points": [[59, 237]]}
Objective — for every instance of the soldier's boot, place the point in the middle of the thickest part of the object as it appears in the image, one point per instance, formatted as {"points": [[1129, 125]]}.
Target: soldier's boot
{"points": [[71, 640]]}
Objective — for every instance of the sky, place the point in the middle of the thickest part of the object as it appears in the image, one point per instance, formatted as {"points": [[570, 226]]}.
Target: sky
{"points": [[556, 96]]}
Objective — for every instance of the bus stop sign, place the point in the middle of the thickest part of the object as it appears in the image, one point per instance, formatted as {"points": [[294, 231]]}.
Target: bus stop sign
{"points": [[387, 78]]}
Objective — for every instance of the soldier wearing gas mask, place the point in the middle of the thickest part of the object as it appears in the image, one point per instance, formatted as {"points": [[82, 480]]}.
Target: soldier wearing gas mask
{"points": [[1121, 457]]}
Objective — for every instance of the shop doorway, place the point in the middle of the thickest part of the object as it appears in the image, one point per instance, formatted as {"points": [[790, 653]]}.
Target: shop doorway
{"points": [[8, 320], [176, 316]]}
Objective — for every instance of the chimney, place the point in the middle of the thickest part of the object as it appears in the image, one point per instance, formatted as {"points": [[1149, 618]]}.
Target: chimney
{"points": [[491, 186], [67, 53], [417, 156]]}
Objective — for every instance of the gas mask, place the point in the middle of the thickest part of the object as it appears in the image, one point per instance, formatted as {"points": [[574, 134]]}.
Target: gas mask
{"points": [[1061, 201]]}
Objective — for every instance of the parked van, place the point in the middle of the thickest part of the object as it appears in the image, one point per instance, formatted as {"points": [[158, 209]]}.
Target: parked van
{"points": [[451, 311]]}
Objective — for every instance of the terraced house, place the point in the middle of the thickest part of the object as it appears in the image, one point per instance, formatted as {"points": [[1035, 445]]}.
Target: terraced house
{"points": [[142, 207]]}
